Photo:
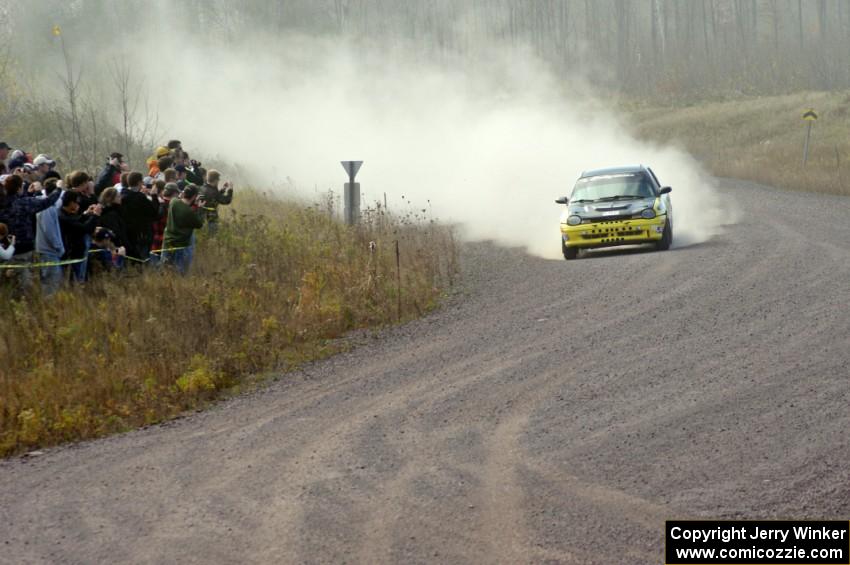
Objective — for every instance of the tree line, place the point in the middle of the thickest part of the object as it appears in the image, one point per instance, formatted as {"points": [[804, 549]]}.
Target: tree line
{"points": [[639, 47]]}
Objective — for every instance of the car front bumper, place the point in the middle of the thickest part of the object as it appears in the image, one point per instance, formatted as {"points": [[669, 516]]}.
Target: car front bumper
{"points": [[615, 232]]}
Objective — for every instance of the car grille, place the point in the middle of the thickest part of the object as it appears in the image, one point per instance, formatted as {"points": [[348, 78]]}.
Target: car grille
{"points": [[608, 220], [608, 233]]}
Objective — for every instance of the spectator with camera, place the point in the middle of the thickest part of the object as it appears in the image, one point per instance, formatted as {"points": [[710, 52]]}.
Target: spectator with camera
{"points": [[106, 254], [77, 227], [19, 213], [81, 184], [214, 198], [110, 174], [195, 172], [183, 220], [112, 219], [49, 246]]}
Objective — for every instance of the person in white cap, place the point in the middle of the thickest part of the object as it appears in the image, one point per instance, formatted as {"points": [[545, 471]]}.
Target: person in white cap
{"points": [[42, 165]]}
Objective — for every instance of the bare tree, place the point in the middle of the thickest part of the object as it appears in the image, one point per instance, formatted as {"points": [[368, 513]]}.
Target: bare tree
{"points": [[71, 85], [138, 123]]}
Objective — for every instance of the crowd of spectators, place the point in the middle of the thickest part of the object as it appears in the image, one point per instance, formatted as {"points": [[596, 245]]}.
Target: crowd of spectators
{"points": [[69, 228]]}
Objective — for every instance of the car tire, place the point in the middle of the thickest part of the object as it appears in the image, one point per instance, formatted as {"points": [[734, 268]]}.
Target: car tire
{"points": [[666, 238], [570, 253]]}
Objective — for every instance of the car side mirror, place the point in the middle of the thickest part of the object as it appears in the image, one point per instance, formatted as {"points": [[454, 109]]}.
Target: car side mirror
{"points": [[562, 200], [665, 190]]}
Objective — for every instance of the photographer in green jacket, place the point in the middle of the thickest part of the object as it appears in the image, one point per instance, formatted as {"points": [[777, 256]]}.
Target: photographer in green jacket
{"points": [[185, 215]]}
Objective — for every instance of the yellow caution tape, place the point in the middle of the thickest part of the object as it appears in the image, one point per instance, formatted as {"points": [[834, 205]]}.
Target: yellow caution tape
{"points": [[171, 249], [41, 264], [38, 265]]}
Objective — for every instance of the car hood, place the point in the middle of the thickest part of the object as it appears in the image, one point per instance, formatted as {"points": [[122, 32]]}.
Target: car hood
{"points": [[618, 209]]}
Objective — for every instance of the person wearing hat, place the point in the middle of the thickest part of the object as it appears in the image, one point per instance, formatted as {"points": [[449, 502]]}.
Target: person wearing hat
{"points": [[17, 158], [43, 164], [32, 180], [153, 161]]}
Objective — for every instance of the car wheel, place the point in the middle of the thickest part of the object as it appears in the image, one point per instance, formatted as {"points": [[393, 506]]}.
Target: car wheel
{"points": [[666, 238], [569, 252]]}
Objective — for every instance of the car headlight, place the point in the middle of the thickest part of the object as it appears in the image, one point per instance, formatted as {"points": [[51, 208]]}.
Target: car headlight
{"points": [[573, 220], [647, 214]]}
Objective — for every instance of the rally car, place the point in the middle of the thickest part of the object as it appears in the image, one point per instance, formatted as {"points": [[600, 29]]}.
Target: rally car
{"points": [[616, 206]]}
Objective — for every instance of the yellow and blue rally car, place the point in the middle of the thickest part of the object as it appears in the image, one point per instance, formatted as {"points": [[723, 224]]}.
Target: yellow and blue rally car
{"points": [[617, 206]]}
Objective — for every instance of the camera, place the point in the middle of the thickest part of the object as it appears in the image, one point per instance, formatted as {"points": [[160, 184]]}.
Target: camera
{"points": [[104, 235]]}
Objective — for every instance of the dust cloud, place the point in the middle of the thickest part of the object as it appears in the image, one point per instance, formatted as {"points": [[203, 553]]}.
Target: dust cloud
{"points": [[486, 143]]}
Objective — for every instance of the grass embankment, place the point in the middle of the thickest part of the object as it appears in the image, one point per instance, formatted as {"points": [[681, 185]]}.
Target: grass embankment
{"points": [[272, 289], [760, 138]]}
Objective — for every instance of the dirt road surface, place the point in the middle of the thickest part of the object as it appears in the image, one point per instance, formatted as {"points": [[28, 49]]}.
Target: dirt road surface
{"points": [[559, 412]]}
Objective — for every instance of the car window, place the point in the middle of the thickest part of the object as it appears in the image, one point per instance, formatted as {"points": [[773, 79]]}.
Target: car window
{"points": [[609, 186]]}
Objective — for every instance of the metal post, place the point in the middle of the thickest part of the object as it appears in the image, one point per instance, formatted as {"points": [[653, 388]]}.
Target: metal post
{"points": [[838, 163], [398, 277], [352, 203], [351, 194], [806, 147]]}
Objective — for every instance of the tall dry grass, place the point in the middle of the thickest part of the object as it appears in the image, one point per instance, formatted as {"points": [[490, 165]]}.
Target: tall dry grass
{"points": [[760, 138], [274, 288]]}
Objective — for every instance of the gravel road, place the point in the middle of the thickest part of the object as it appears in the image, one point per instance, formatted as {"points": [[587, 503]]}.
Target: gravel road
{"points": [[557, 412]]}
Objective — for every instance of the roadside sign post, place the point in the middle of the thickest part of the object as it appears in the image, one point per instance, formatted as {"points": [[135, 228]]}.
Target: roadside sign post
{"points": [[811, 117], [351, 196]]}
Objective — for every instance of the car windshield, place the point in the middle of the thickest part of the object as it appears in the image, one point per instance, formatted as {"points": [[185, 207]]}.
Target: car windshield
{"points": [[612, 187]]}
